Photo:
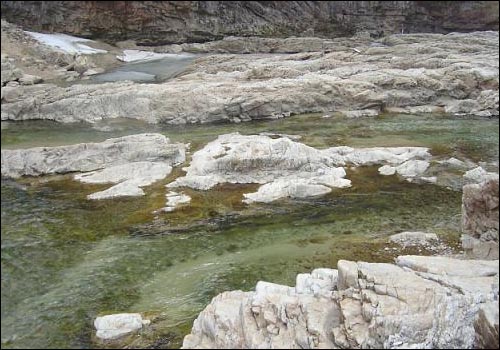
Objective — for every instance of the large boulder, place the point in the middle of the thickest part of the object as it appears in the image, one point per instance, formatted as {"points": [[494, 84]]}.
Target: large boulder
{"points": [[419, 302]]}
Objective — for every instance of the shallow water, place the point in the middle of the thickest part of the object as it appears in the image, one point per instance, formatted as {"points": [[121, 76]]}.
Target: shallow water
{"points": [[66, 260], [150, 71]]}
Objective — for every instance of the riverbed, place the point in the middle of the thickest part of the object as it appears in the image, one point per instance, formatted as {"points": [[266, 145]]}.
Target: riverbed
{"points": [[66, 260]]}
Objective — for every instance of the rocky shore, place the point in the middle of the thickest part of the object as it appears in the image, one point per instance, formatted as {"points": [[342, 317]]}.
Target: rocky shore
{"points": [[455, 73], [418, 302], [269, 67]]}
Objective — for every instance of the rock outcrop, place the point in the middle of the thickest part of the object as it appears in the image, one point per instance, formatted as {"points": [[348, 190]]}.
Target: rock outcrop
{"points": [[420, 302], [284, 167], [454, 73], [86, 157], [480, 219], [197, 21]]}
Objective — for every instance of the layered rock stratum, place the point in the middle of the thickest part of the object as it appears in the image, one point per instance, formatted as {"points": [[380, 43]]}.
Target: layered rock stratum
{"points": [[161, 22]]}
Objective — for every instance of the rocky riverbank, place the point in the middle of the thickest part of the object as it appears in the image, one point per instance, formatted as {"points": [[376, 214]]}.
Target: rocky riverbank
{"points": [[414, 73], [418, 302]]}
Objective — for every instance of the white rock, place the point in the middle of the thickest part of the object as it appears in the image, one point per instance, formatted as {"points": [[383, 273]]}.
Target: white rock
{"points": [[295, 187], [422, 302], [412, 168], [360, 113], [235, 158], [93, 71], [27, 79], [378, 155], [117, 325], [128, 177], [91, 156], [174, 200], [286, 168], [478, 175], [414, 238], [387, 170], [412, 73]]}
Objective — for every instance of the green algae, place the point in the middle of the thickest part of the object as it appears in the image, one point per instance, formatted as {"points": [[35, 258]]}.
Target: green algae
{"points": [[66, 260]]}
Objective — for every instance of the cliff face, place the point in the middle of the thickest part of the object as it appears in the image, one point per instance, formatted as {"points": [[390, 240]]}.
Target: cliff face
{"points": [[163, 22]]}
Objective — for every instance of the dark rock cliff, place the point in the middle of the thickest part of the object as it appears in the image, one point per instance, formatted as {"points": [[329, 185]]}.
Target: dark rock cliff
{"points": [[162, 22]]}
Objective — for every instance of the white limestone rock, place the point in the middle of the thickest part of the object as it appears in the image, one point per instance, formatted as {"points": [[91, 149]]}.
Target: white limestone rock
{"points": [[114, 326], [387, 170], [129, 178], [85, 157], [412, 168], [417, 73], [287, 168], [478, 175], [174, 200], [377, 155], [28, 79], [235, 158], [296, 187], [414, 238], [422, 302]]}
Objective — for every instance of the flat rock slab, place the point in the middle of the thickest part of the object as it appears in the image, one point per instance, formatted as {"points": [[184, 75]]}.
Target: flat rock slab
{"points": [[85, 157], [129, 178]]}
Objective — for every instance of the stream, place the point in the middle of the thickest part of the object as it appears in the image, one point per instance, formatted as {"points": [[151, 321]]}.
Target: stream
{"points": [[66, 260]]}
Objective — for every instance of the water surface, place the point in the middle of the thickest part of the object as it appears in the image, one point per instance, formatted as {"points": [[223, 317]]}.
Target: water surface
{"points": [[66, 260]]}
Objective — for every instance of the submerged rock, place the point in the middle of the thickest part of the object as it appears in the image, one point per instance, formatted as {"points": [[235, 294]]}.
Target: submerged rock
{"points": [[414, 238], [114, 326], [420, 302], [91, 156]]}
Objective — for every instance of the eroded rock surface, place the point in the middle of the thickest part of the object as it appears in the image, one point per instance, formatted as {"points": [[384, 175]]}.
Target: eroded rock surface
{"points": [[420, 302], [199, 21], [480, 218], [414, 238], [85, 157], [453, 73], [287, 168]]}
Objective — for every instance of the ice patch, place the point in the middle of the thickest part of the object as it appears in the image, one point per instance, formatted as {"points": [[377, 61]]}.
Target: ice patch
{"points": [[65, 43]]}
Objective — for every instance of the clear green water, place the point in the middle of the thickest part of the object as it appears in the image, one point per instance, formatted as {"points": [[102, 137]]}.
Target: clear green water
{"points": [[66, 260]]}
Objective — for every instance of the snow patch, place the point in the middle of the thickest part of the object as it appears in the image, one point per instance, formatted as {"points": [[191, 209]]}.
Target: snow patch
{"points": [[65, 43]]}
